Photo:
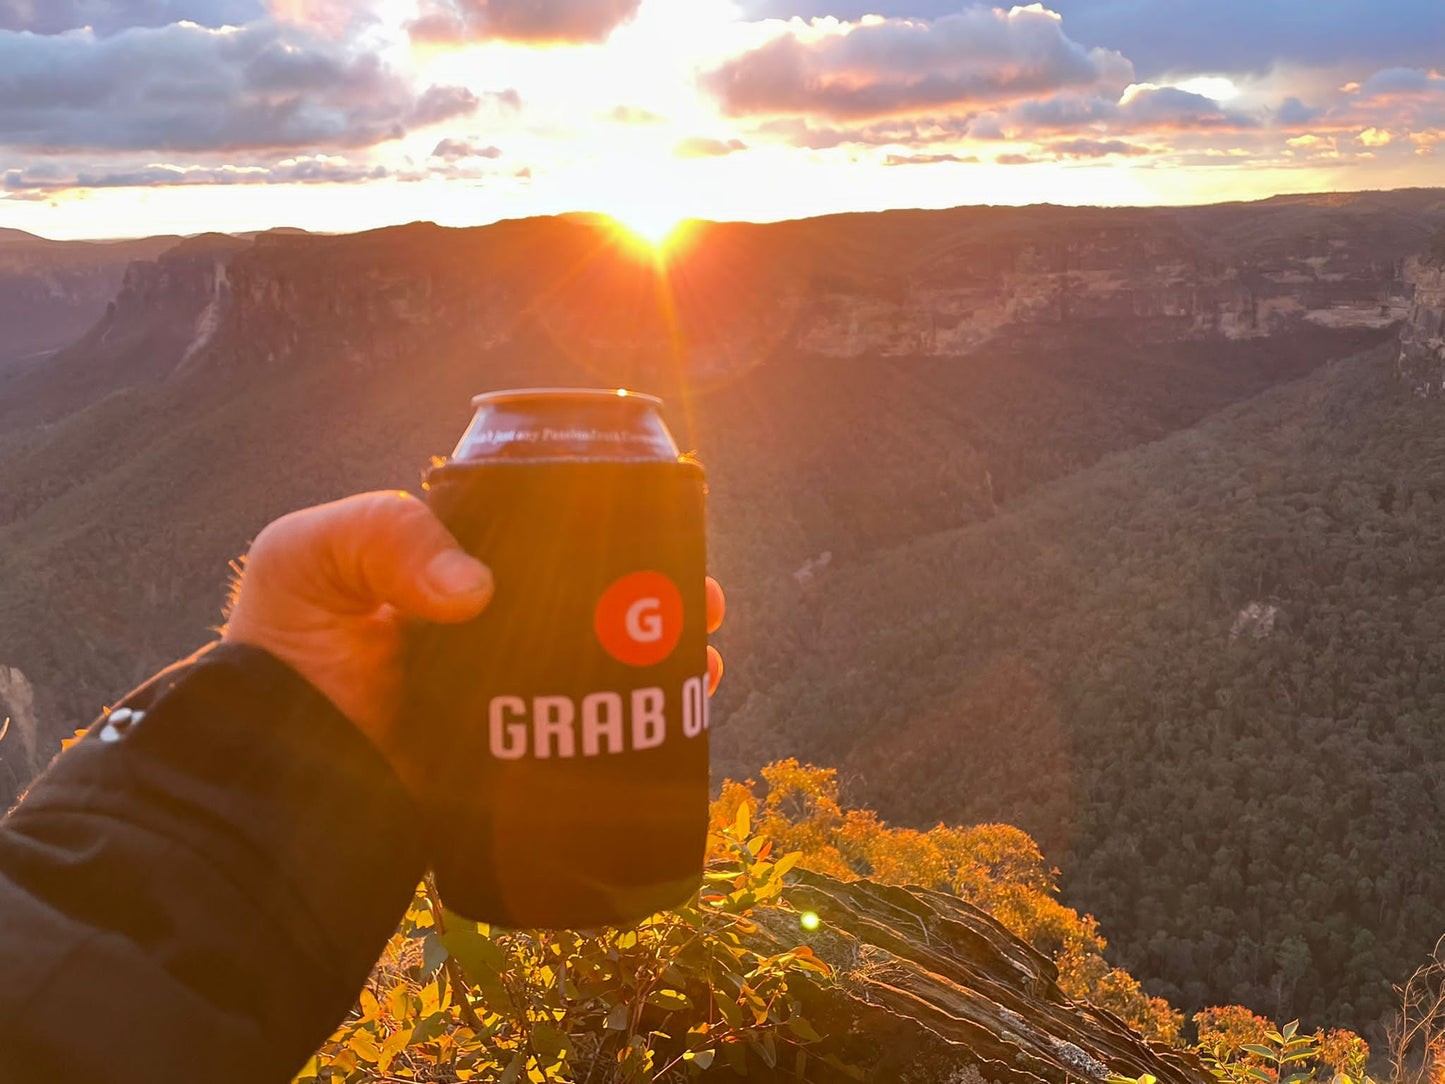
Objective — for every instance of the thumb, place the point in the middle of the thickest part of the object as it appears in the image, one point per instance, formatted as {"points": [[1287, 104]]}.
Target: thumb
{"points": [[364, 552]]}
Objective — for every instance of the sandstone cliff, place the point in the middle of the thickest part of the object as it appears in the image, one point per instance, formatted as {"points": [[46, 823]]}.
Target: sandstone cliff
{"points": [[897, 284], [1422, 339], [164, 311], [51, 291]]}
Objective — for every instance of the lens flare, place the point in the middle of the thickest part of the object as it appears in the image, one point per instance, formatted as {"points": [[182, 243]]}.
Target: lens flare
{"points": [[809, 920], [653, 226]]}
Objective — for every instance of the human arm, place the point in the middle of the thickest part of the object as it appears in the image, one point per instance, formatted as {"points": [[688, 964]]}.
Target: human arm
{"points": [[198, 892]]}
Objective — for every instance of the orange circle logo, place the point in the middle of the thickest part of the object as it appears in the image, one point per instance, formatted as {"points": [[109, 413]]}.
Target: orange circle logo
{"points": [[639, 618]]}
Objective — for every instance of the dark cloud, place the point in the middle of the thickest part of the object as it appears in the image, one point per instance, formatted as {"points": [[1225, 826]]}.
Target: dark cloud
{"points": [[1092, 116], [1172, 108], [442, 103], [536, 21], [1293, 113], [928, 159], [455, 149], [184, 87], [976, 57], [1391, 82], [291, 171], [112, 16], [702, 147], [1096, 148], [1194, 36], [1145, 108], [1063, 112]]}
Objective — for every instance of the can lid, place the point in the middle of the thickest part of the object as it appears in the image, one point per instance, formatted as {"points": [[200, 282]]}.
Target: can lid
{"points": [[564, 393]]}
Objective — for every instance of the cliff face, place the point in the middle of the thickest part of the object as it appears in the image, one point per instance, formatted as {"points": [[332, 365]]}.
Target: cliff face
{"points": [[1422, 339], [163, 313], [933, 990], [893, 285], [51, 291]]}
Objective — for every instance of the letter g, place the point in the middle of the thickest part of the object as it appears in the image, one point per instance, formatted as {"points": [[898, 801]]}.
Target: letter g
{"points": [[644, 620]]}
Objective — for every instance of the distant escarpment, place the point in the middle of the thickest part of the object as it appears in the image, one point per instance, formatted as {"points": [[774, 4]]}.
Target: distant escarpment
{"points": [[51, 291], [163, 313], [1422, 341], [900, 284]]}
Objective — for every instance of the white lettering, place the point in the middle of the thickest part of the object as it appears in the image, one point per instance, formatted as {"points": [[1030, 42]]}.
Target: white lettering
{"points": [[508, 739], [649, 725], [552, 718], [601, 715], [610, 722], [644, 620], [694, 706]]}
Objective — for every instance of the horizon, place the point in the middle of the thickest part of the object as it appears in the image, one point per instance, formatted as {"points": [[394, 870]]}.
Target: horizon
{"points": [[401, 224], [138, 118]]}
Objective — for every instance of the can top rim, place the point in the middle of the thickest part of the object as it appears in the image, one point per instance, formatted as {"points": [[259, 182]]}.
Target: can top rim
{"points": [[564, 393]]}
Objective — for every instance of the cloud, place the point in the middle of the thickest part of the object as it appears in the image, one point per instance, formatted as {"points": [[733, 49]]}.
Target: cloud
{"points": [[532, 21], [1401, 83], [442, 103], [108, 17], [631, 114], [1293, 113], [1016, 160], [455, 149], [980, 56], [331, 17], [1190, 36], [702, 147], [1095, 148], [901, 130], [185, 87], [928, 159], [1144, 105], [310, 170]]}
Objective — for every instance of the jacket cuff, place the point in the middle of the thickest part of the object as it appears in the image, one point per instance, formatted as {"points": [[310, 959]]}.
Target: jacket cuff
{"points": [[251, 764]]}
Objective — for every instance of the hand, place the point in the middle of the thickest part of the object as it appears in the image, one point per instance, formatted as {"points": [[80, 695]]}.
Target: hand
{"points": [[328, 591]]}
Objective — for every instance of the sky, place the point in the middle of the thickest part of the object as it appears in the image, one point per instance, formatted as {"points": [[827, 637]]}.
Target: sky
{"points": [[132, 117]]}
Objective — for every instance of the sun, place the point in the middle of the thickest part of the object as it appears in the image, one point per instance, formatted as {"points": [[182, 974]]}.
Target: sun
{"points": [[654, 225]]}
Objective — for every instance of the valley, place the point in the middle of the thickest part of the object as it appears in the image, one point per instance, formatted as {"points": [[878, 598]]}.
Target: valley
{"points": [[1117, 525]]}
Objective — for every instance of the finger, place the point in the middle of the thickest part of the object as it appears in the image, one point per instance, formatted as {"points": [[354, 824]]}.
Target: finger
{"points": [[717, 605], [714, 669], [375, 549]]}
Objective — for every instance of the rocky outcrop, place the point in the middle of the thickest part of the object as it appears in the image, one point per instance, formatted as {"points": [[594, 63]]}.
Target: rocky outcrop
{"points": [[1422, 339], [934, 991]]}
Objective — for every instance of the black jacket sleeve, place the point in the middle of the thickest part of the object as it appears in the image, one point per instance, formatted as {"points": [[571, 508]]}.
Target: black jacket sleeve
{"points": [[199, 895]]}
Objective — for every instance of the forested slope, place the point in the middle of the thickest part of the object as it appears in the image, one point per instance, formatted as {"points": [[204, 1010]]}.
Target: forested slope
{"points": [[1209, 676]]}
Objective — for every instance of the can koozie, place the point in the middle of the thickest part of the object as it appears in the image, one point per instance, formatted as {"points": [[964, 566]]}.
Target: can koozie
{"points": [[566, 728]]}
